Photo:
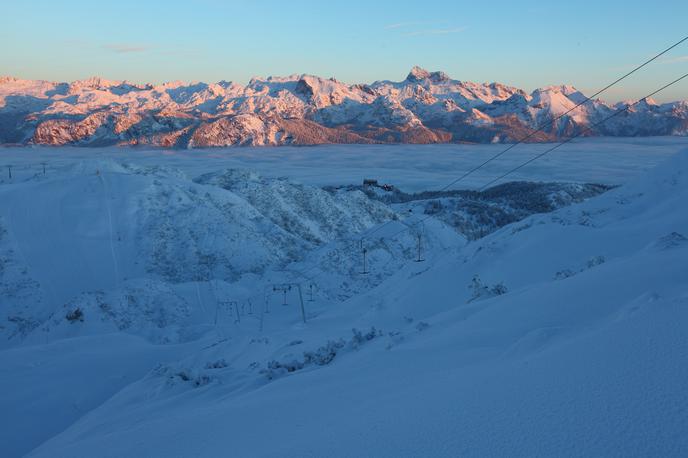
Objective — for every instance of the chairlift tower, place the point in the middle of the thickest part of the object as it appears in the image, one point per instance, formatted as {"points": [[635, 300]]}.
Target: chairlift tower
{"points": [[286, 287], [283, 289], [227, 306]]}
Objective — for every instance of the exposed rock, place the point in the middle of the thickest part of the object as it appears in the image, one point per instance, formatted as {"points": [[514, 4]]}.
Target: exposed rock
{"points": [[427, 107]]}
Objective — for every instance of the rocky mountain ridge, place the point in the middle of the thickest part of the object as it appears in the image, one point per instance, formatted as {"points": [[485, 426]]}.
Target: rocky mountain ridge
{"points": [[426, 107]]}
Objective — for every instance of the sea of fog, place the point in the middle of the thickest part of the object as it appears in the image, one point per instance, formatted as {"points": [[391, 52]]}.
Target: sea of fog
{"points": [[409, 167]]}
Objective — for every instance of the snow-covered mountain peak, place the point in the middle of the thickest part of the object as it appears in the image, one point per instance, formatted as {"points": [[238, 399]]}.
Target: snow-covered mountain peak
{"points": [[565, 89], [7, 79], [306, 109], [648, 101], [418, 74], [94, 82]]}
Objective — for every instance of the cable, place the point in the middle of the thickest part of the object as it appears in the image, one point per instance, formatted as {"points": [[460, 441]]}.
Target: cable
{"points": [[513, 145], [587, 129], [555, 147], [549, 123], [422, 220]]}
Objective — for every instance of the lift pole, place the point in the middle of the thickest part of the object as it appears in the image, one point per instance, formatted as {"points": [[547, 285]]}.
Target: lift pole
{"points": [[420, 259], [284, 287], [303, 310], [236, 308], [227, 306]]}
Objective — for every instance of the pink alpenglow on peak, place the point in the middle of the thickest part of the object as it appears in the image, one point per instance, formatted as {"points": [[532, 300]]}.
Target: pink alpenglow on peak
{"points": [[300, 109]]}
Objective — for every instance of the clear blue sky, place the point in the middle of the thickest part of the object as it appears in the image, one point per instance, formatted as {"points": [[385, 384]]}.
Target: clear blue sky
{"points": [[527, 44]]}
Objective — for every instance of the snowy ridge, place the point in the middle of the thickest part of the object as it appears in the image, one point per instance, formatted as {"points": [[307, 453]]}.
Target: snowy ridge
{"points": [[426, 107], [144, 341]]}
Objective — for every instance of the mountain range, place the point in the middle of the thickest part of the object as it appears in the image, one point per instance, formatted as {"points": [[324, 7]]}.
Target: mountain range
{"points": [[426, 107]]}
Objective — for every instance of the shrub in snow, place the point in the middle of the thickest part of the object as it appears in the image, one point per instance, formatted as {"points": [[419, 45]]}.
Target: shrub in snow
{"points": [[187, 376], [199, 380], [321, 356], [562, 274], [482, 291], [75, 315], [595, 261], [144, 307], [184, 376], [23, 325], [325, 354], [498, 289], [672, 240], [219, 364], [590, 263], [422, 326], [360, 338], [394, 337]]}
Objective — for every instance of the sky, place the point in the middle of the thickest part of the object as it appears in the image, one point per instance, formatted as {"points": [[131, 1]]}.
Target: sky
{"points": [[527, 44]]}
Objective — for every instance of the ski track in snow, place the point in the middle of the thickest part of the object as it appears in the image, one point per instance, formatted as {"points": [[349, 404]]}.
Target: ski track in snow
{"points": [[110, 224]]}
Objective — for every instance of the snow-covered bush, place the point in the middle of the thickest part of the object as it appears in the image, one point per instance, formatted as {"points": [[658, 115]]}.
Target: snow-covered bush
{"points": [[322, 356], [482, 291], [176, 375], [196, 381], [594, 261], [562, 274], [589, 264], [671, 240], [219, 364], [360, 338], [422, 326]]}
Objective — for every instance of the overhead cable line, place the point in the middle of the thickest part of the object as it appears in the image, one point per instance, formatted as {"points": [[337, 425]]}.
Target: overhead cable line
{"points": [[555, 119], [616, 113], [539, 129]]}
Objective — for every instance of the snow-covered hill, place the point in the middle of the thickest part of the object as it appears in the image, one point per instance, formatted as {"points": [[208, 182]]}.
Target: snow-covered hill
{"points": [[142, 315], [426, 107]]}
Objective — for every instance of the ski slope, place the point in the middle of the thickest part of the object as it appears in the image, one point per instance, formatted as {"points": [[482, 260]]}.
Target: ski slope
{"points": [[561, 334]]}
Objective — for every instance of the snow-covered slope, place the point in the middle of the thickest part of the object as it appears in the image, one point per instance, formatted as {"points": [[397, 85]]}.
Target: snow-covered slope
{"points": [[101, 227], [426, 107], [151, 320]]}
